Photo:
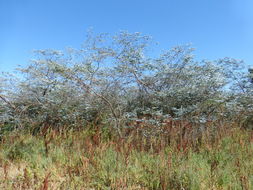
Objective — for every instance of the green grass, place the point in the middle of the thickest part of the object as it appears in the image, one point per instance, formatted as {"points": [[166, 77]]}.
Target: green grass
{"points": [[92, 160]]}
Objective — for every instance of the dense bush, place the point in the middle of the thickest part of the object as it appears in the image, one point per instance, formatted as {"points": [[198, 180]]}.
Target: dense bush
{"points": [[115, 80]]}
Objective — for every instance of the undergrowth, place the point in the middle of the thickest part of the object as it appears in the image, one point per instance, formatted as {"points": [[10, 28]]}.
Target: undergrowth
{"points": [[95, 159]]}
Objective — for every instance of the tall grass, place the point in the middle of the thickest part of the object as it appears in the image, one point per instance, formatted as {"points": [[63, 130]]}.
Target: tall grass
{"points": [[94, 158]]}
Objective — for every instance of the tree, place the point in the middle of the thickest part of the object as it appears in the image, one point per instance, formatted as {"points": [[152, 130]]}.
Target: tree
{"points": [[113, 79]]}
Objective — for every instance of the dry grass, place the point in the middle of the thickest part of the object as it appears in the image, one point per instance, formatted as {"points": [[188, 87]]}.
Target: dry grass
{"points": [[97, 159]]}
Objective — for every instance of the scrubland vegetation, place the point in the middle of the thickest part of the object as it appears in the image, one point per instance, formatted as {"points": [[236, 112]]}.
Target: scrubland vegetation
{"points": [[112, 115]]}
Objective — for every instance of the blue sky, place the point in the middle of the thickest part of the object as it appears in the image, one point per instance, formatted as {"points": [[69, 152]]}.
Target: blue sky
{"points": [[216, 28]]}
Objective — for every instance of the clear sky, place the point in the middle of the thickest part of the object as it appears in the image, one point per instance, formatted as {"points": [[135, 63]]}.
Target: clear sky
{"points": [[216, 28]]}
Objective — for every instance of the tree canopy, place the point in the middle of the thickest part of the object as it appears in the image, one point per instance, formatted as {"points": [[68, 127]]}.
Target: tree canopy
{"points": [[113, 79]]}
